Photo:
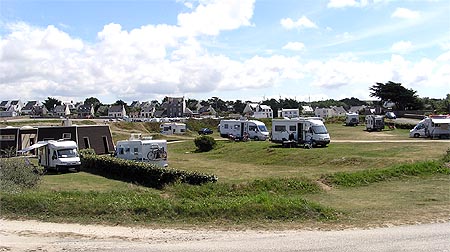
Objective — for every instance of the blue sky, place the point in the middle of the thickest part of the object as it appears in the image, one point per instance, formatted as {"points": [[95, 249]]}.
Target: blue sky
{"points": [[234, 49]]}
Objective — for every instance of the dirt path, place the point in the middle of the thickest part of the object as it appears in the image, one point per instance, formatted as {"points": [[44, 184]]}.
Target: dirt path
{"points": [[30, 236]]}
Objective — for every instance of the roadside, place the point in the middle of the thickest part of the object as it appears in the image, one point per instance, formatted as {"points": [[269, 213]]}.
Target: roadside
{"points": [[52, 237]]}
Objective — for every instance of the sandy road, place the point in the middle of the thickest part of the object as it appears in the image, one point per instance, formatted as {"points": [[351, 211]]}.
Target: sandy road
{"points": [[38, 236]]}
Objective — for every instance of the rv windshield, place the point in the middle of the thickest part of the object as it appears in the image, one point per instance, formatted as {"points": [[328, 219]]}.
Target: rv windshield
{"points": [[262, 128], [319, 129], [65, 153]]}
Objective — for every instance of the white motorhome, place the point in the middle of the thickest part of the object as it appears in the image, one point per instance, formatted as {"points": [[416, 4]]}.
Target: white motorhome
{"points": [[254, 129], [436, 126], [374, 122], [58, 155], [309, 130], [351, 119], [172, 128], [143, 150]]}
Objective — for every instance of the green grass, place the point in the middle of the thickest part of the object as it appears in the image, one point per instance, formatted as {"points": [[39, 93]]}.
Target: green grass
{"points": [[261, 185]]}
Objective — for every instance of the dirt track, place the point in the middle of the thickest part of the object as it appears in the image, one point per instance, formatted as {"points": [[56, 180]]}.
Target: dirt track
{"points": [[38, 236]]}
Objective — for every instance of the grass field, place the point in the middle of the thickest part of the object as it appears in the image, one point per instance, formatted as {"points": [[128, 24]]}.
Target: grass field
{"points": [[260, 186]]}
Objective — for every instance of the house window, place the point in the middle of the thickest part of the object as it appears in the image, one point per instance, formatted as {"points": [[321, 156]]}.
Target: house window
{"points": [[66, 135], [105, 144], [87, 145]]}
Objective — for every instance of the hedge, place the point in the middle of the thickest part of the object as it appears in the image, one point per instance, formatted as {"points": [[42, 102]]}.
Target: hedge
{"points": [[145, 174]]}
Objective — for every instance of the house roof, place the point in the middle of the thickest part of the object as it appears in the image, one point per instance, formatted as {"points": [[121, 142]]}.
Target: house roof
{"points": [[30, 105], [115, 109], [84, 109], [60, 108], [265, 107], [4, 103]]}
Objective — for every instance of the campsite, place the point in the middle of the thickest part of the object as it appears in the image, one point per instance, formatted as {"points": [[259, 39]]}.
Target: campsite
{"points": [[361, 179]]}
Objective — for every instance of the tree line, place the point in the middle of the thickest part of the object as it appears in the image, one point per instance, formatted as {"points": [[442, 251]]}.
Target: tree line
{"points": [[390, 92]]}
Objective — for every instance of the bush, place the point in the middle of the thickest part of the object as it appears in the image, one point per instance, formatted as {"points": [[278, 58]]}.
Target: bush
{"points": [[204, 143], [141, 173], [17, 174]]}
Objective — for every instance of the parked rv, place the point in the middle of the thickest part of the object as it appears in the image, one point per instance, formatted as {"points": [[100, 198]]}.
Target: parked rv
{"points": [[295, 131], [351, 119], [173, 128], [60, 155], [241, 129], [436, 126], [143, 150], [374, 122]]}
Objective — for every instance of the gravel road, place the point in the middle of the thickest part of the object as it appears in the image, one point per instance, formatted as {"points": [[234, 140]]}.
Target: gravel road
{"points": [[38, 236]]}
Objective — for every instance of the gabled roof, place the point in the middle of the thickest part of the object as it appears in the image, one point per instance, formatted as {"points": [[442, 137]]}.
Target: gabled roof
{"points": [[30, 105], [115, 109], [4, 103], [84, 109]]}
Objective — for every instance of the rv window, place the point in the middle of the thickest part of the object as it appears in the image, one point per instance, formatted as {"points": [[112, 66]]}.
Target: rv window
{"points": [[292, 128], [127, 149], [182, 130], [252, 128], [120, 151], [225, 126], [280, 128], [136, 150]]}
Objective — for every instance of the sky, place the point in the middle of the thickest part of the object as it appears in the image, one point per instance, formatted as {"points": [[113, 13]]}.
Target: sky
{"points": [[307, 50]]}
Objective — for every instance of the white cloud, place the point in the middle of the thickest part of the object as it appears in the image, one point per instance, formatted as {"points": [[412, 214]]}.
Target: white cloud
{"points": [[216, 16], [302, 22], [402, 47], [346, 3], [405, 13], [294, 46]]}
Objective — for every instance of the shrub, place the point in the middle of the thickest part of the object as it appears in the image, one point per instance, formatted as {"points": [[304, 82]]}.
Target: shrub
{"points": [[204, 143], [17, 174], [139, 172]]}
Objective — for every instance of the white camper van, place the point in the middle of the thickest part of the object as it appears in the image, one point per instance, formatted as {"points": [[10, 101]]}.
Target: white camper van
{"points": [[143, 150], [173, 128], [300, 131], [374, 122], [60, 155], [351, 119], [436, 126], [254, 129]]}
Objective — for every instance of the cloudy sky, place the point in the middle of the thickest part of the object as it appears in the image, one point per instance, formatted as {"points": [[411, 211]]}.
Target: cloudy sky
{"points": [[234, 49]]}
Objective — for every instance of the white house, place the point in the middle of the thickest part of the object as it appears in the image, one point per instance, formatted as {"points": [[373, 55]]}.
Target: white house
{"points": [[117, 111], [329, 112], [258, 111], [289, 113], [307, 110]]}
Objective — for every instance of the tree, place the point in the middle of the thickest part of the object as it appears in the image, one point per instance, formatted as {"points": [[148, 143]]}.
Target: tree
{"points": [[402, 97], [93, 102], [50, 103]]}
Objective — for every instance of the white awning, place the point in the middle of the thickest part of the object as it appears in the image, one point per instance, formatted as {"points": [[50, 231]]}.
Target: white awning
{"points": [[440, 120], [34, 146]]}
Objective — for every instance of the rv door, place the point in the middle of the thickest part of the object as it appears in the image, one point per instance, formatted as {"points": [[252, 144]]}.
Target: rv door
{"points": [[300, 132]]}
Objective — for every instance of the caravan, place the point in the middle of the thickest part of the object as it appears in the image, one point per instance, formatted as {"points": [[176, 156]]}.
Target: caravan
{"points": [[374, 122], [60, 155], [435, 126], [351, 119], [173, 128], [240, 129], [143, 150], [300, 131]]}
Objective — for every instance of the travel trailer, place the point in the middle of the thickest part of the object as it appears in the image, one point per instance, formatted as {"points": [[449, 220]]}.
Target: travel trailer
{"points": [[351, 119], [374, 122], [241, 129], [435, 126], [309, 131], [58, 155], [143, 150], [173, 128]]}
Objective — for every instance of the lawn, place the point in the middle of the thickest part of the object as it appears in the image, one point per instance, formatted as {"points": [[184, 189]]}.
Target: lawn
{"points": [[260, 186]]}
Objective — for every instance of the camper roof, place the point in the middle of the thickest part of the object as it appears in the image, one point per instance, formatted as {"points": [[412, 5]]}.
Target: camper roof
{"points": [[440, 120]]}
